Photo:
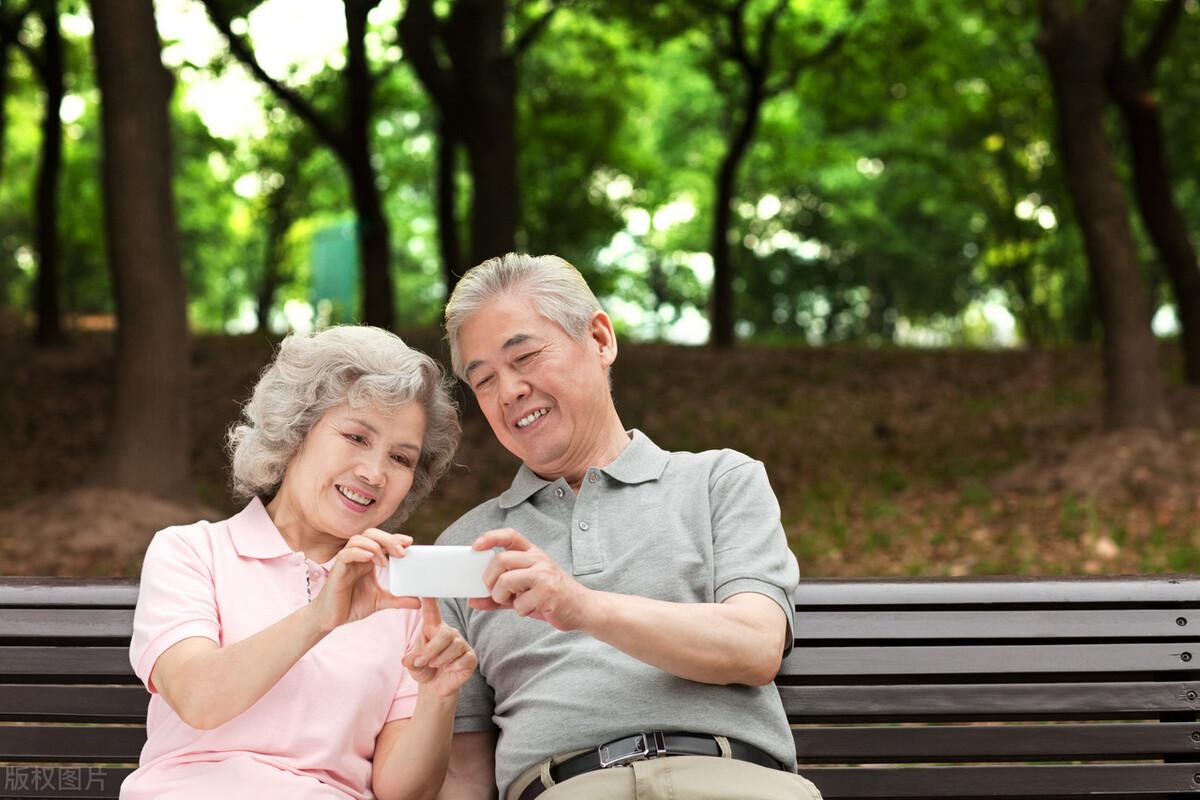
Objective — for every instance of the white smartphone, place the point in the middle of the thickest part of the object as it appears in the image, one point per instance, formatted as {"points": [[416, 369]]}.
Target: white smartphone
{"points": [[433, 571]]}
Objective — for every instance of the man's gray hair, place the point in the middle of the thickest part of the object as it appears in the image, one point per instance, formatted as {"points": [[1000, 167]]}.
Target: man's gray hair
{"points": [[311, 374], [557, 290]]}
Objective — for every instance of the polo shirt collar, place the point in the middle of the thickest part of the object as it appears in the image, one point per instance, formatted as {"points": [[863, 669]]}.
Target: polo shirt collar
{"points": [[641, 461], [254, 533]]}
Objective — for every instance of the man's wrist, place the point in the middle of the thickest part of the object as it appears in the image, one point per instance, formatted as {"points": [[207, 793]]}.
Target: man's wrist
{"points": [[594, 609]]}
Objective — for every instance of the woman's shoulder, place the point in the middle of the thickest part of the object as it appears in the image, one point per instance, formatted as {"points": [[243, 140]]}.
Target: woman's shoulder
{"points": [[194, 540]]}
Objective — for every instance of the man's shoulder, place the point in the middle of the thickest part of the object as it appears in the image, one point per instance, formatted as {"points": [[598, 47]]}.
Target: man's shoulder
{"points": [[713, 462], [464, 530]]}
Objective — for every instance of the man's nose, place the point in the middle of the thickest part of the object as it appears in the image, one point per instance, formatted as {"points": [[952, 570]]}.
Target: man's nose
{"points": [[512, 388]]}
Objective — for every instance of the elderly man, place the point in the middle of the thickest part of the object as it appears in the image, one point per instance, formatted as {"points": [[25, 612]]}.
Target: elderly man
{"points": [[641, 603]]}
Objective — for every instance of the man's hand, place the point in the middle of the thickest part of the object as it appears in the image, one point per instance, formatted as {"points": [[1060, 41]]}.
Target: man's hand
{"points": [[526, 580]]}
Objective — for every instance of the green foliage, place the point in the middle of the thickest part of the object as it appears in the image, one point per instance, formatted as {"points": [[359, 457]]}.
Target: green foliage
{"points": [[904, 183]]}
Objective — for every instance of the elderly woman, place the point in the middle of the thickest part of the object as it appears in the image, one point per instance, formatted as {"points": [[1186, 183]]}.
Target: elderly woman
{"points": [[277, 665]]}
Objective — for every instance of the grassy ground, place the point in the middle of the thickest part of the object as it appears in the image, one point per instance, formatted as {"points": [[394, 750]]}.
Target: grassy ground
{"points": [[886, 462]]}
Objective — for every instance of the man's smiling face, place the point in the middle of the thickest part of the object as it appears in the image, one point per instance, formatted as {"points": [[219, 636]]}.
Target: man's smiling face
{"points": [[545, 394]]}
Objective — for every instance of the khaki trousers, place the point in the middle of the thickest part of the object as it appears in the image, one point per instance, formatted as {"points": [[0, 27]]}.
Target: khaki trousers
{"points": [[670, 778]]}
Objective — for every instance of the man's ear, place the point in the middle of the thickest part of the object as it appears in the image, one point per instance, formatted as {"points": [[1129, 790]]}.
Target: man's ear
{"points": [[600, 331]]}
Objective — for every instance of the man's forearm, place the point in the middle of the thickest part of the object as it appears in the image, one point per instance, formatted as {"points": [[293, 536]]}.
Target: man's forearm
{"points": [[737, 641]]}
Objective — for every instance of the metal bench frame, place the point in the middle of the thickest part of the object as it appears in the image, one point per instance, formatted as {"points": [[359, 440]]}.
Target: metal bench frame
{"points": [[956, 688]]}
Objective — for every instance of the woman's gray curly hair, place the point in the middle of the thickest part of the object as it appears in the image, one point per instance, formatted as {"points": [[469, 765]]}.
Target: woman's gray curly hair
{"points": [[313, 373]]}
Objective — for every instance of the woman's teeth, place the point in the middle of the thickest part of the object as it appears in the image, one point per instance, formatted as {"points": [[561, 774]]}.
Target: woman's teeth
{"points": [[354, 496]]}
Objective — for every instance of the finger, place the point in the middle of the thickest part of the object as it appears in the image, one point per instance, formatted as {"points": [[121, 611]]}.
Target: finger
{"points": [[427, 651], [367, 543], [353, 554], [431, 614], [511, 584], [452, 653], [502, 537], [392, 543], [420, 674], [526, 603], [483, 604], [502, 562], [454, 648]]}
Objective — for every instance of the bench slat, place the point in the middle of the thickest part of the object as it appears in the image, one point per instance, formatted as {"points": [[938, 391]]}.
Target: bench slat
{"points": [[72, 743], [1046, 624], [1136, 591], [999, 742], [1110, 780], [45, 781], [991, 700], [31, 592], [25, 703], [993, 659], [79, 662], [54, 623]]}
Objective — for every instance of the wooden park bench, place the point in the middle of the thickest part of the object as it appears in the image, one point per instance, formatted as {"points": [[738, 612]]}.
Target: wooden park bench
{"points": [[896, 688]]}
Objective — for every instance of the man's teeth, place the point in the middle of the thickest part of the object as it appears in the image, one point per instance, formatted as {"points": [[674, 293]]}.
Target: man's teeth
{"points": [[523, 421], [355, 496]]}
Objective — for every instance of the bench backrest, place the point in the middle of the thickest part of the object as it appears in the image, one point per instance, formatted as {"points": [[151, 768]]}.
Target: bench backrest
{"points": [[909, 688], [997, 688]]}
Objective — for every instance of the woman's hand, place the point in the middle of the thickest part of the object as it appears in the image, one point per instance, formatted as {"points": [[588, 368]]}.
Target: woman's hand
{"points": [[352, 591], [441, 659]]}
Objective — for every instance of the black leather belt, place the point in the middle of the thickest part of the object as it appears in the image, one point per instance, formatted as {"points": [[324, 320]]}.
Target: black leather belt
{"points": [[640, 746]]}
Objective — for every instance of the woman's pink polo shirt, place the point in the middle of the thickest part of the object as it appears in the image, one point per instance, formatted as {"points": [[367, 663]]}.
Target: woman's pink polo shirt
{"points": [[313, 734]]}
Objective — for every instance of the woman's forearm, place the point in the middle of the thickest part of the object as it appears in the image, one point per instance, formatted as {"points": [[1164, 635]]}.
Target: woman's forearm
{"points": [[411, 755], [208, 685]]}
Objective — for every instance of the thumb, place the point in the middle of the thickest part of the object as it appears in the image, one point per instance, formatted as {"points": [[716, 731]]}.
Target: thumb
{"points": [[394, 601]]}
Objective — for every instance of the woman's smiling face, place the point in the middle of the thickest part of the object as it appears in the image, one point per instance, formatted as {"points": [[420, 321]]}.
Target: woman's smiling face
{"points": [[351, 473]]}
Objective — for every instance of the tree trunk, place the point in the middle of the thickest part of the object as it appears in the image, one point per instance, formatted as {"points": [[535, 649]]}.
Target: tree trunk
{"points": [[1131, 86], [279, 220], [474, 91], [1076, 48], [5, 50], [446, 199], [1167, 228], [49, 316], [486, 77], [723, 312], [149, 441], [374, 235]]}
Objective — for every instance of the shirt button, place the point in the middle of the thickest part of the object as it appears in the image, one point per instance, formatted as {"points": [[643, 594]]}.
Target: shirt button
{"points": [[583, 526], [558, 492], [593, 477]]}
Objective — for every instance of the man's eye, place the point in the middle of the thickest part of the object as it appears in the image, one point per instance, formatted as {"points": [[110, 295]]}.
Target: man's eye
{"points": [[483, 382], [526, 356]]}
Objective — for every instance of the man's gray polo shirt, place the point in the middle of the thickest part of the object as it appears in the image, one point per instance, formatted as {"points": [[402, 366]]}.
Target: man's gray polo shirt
{"points": [[680, 527]]}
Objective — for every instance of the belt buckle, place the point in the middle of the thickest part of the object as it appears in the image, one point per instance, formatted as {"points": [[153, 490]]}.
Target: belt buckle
{"points": [[610, 756], [638, 748]]}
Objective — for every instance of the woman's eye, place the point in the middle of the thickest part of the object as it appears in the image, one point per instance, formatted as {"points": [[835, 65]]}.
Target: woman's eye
{"points": [[354, 437], [402, 460]]}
